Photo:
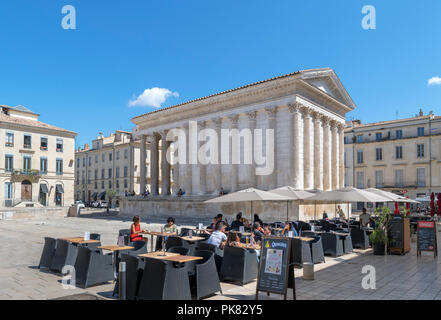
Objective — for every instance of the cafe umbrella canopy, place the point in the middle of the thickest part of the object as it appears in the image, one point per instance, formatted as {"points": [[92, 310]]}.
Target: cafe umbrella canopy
{"points": [[392, 196], [348, 195], [249, 195], [295, 194]]}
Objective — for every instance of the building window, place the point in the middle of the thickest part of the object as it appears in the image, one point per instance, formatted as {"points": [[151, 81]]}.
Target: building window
{"points": [[117, 155], [43, 144], [420, 131], [110, 157], [360, 180], [421, 177], [88, 176], [117, 172], [90, 161], [126, 153], [117, 184], [43, 165], [9, 139], [84, 162], [359, 156], [378, 136], [103, 157], [126, 172], [379, 179], [27, 141], [110, 173], [399, 178], [96, 185], [78, 177], [96, 174], [9, 163], [399, 152], [399, 134], [103, 173], [78, 162], [8, 194], [96, 158], [420, 150], [26, 163], [125, 183], [59, 145], [379, 154], [59, 166], [360, 138], [110, 184], [102, 184]]}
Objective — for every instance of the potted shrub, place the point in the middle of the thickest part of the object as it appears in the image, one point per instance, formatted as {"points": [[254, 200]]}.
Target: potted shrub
{"points": [[378, 237]]}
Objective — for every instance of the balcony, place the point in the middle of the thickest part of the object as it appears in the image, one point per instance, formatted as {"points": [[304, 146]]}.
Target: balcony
{"points": [[43, 148], [21, 175], [9, 144], [410, 184]]}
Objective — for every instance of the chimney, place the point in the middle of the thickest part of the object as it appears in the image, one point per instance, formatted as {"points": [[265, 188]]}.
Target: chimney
{"points": [[86, 147], [421, 113]]}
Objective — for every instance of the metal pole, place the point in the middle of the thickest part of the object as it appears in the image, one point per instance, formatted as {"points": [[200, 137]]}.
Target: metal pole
{"points": [[122, 281]]}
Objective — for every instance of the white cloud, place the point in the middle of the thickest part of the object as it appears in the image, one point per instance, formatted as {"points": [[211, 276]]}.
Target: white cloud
{"points": [[434, 81], [153, 97]]}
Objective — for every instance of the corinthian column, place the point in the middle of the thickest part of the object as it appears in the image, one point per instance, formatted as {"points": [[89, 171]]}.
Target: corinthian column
{"points": [[252, 183], [218, 167], [334, 155], [188, 166], [202, 167], [271, 114], [294, 142], [341, 149], [318, 181], [176, 170], [326, 155], [165, 165], [154, 165], [307, 157], [234, 167], [142, 166]]}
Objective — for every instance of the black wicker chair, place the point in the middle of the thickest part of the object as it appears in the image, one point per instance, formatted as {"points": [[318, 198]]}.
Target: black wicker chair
{"points": [[218, 253], [174, 241], [48, 253], [60, 255], [360, 239], [347, 244], [134, 270], [332, 244], [162, 281], [239, 264], [301, 251], [126, 234], [205, 281], [92, 267], [181, 250], [140, 248], [185, 232]]}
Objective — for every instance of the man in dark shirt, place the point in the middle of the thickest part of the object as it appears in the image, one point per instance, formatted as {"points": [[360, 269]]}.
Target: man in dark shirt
{"points": [[236, 224]]}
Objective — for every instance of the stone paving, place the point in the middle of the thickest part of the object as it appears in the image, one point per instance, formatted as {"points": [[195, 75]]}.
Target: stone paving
{"points": [[398, 277]]}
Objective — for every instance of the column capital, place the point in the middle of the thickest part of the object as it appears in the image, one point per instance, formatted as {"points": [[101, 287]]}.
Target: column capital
{"points": [[163, 134], [325, 120], [217, 122], [340, 127], [294, 107], [234, 119], [306, 112], [333, 124], [316, 116], [252, 115], [154, 137], [271, 112]]}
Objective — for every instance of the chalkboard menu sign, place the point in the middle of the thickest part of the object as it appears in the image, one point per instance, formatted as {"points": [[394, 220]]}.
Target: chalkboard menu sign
{"points": [[398, 234], [426, 237], [274, 266]]}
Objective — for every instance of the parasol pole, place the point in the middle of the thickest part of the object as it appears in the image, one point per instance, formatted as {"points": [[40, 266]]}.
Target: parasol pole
{"points": [[287, 211]]}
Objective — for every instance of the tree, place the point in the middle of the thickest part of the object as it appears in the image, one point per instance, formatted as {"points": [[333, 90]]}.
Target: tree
{"points": [[111, 194]]}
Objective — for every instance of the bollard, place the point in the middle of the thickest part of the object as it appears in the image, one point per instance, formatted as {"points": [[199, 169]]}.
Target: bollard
{"points": [[308, 271], [122, 281]]}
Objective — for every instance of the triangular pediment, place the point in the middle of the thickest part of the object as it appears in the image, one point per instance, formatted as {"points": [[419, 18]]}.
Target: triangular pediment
{"points": [[327, 81]]}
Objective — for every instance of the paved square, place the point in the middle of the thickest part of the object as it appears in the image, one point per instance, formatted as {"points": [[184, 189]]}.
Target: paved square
{"points": [[398, 277]]}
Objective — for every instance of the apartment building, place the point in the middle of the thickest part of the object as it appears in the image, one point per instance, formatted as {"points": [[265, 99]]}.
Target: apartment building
{"points": [[401, 156], [38, 161], [111, 164]]}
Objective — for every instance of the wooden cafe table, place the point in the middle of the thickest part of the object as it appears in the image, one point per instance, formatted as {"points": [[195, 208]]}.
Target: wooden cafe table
{"points": [[158, 234], [192, 239], [169, 256], [80, 240], [115, 252], [307, 239]]}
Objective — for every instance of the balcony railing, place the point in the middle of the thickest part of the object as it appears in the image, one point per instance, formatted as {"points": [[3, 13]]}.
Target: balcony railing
{"points": [[9, 144], [404, 184], [43, 148], [27, 146]]}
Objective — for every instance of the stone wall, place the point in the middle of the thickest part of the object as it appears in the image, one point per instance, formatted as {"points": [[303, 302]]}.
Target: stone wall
{"points": [[267, 211], [32, 213]]}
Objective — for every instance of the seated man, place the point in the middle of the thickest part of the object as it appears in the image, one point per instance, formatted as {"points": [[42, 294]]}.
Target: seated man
{"points": [[236, 224], [180, 192], [218, 237]]}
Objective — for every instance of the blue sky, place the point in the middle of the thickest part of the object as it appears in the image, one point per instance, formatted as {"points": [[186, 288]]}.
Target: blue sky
{"points": [[83, 79]]}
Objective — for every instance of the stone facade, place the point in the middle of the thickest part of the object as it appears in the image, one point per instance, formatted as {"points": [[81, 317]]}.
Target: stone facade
{"points": [[401, 156], [304, 110], [37, 166]]}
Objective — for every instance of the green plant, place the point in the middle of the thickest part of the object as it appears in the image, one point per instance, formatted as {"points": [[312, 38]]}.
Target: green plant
{"points": [[378, 237]]}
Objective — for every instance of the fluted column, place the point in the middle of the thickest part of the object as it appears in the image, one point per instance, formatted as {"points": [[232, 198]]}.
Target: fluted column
{"points": [[202, 166], [234, 167], [318, 180], [142, 165], [294, 142], [334, 155], [307, 168], [182, 171], [326, 155], [218, 167], [188, 166], [271, 118], [252, 183], [165, 165], [341, 149], [154, 164], [176, 170]]}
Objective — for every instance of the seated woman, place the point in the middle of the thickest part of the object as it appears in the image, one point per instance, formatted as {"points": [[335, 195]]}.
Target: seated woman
{"points": [[258, 231], [170, 227], [135, 229], [233, 239], [288, 227], [267, 230]]}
